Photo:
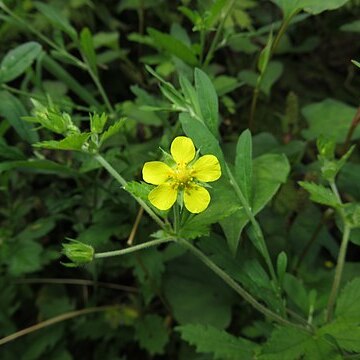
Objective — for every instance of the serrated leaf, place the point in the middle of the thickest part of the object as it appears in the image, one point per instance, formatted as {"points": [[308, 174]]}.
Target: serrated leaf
{"points": [[348, 303], [151, 334], [18, 60], [112, 130], [243, 164], [208, 101], [320, 194], [173, 46], [292, 344], [346, 335], [71, 142], [220, 344]]}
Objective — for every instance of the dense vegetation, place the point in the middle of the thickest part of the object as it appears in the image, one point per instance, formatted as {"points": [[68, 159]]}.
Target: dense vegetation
{"points": [[247, 248]]}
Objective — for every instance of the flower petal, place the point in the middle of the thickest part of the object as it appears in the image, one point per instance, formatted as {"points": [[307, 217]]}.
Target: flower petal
{"points": [[182, 149], [207, 168], [156, 172], [196, 199], [163, 197]]}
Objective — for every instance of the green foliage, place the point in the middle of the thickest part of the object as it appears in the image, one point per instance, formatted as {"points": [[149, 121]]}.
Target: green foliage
{"points": [[151, 334], [320, 194], [73, 78], [18, 60], [220, 344]]}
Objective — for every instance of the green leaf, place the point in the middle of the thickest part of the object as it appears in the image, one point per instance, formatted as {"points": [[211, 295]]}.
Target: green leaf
{"points": [[289, 7], [319, 115], [25, 257], [292, 344], [348, 303], [320, 194], [173, 46], [353, 26], [112, 130], [71, 142], [214, 13], [220, 344], [18, 60], [272, 74], [37, 166], [221, 206], [13, 111], [281, 266], [202, 137], [296, 291], [194, 300], [87, 49], [151, 334], [97, 122], [269, 172], [208, 101], [243, 164], [265, 55], [317, 7], [356, 63], [56, 18], [346, 335]]}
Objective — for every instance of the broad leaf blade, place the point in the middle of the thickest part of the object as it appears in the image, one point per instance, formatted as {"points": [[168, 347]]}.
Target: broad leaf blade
{"points": [[243, 164], [18, 60]]}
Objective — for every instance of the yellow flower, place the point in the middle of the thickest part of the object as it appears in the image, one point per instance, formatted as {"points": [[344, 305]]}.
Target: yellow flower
{"points": [[184, 177]]}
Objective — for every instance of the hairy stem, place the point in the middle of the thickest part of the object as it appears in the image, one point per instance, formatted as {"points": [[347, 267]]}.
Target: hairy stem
{"points": [[338, 273], [340, 260], [132, 248], [54, 320]]}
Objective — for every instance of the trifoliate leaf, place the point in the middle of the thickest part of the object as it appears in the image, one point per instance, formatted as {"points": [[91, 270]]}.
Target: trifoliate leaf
{"points": [[320, 194]]}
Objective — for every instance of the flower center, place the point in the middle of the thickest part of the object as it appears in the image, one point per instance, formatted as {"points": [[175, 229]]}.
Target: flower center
{"points": [[182, 176]]}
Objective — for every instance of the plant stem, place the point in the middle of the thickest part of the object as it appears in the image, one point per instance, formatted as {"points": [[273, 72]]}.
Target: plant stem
{"points": [[257, 230], [55, 320], [123, 182], [354, 124], [341, 257], [238, 288], [215, 40], [338, 273], [101, 89], [132, 248], [284, 25]]}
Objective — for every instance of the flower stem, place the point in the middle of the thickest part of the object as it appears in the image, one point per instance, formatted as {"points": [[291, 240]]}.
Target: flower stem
{"points": [[215, 40], [340, 260], [132, 248], [257, 230], [237, 287], [338, 273], [123, 182]]}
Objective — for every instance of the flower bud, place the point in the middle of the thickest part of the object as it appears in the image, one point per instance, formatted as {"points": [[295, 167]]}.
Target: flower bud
{"points": [[78, 252]]}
